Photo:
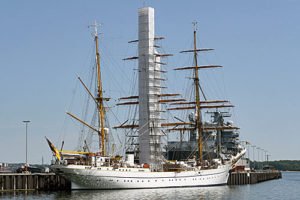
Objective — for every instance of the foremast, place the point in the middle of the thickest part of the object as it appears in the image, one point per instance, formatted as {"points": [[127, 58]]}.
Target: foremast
{"points": [[197, 98], [199, 104]]}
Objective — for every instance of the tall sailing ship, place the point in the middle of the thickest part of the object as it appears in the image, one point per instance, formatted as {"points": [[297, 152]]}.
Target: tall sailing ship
{"points": [[205, 159]]}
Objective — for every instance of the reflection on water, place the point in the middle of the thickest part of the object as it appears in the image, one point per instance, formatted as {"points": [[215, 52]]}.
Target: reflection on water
{"points": [[153, 194], [141, 194], [285, 188]]}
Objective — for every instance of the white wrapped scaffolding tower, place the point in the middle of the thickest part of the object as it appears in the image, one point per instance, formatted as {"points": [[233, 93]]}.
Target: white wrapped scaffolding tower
{"points": [[149, 91]]}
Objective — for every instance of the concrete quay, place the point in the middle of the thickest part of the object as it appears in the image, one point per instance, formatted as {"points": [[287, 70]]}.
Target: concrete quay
{"points": [[35, 181], [242, 178], [53, 182]]}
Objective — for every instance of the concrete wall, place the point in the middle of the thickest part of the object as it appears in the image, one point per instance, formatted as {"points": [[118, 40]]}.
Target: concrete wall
{"points": [[241, 178], [49, 181]]}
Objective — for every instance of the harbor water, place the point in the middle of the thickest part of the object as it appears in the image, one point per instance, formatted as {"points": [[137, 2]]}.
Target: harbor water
{"points": [[285, 188]]}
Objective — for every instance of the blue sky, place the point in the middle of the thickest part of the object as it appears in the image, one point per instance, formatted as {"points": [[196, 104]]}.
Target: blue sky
{"points": [[45, 44]]}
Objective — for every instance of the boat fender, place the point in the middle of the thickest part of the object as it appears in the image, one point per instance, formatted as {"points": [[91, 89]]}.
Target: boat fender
{"points": [[146, 165]]}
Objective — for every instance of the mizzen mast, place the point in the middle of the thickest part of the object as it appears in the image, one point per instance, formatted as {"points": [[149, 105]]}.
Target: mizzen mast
{"points": [[99, 98]]}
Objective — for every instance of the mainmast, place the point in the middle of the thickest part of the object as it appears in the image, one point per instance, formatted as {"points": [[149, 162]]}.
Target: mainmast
{"points": [[99, 98], [197, 97], [150, 96]]}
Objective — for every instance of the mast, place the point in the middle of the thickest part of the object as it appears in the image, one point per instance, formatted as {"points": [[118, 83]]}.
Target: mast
{"points": [[197, 98], [198, 104], [149, 84], [99, 98], [150, 97]]}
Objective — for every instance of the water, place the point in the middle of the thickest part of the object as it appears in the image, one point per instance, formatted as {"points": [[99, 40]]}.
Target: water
{"points": [[286, 188]]}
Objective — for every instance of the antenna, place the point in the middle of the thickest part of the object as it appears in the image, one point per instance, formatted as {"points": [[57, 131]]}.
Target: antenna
{"points": [[195, 25], [95, 26]]}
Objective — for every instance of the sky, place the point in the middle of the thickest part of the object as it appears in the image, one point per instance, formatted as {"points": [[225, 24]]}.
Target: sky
{"points": [[44, 45]]}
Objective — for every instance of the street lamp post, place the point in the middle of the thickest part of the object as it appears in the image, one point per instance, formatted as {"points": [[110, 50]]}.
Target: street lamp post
{"points": [[262, 158], [258, 148], [266, 155], [26, 123], [248, 151], [253, 146]]}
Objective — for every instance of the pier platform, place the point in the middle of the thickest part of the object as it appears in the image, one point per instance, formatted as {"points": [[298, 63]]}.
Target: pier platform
{"points": [[242, 178], [53, 182], [35, 181]]}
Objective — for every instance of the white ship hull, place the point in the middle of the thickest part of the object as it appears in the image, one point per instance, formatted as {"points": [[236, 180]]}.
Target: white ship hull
{"points": [[86, 177]]}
